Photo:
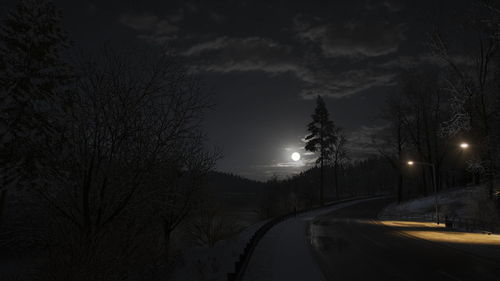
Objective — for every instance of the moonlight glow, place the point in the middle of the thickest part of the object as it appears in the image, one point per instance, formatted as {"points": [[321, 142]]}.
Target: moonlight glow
{"points": [[295, 156]]}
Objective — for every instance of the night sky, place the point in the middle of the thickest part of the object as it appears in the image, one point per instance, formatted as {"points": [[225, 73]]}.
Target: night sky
{"points": [[267, 60]]}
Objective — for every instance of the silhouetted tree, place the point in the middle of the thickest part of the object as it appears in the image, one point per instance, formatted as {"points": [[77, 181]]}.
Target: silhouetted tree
{"points": [[134, 139], [322, 136], [177, 184], [391, 141], [130, 112], [363, 177], [211, 223], [339, 157], [473, 84], [414, 115], [32, 84]]}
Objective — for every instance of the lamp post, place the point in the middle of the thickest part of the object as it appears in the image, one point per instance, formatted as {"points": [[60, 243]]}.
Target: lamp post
{"points": [[463, 146], [411, 163]]}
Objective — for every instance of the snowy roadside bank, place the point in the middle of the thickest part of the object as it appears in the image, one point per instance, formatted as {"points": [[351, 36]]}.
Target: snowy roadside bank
{"points": [[202, 263], [415, 219], [465, 203]]}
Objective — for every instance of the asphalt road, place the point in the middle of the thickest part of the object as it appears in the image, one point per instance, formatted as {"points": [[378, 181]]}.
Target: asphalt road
{"points": [[349, 246], [284, 253]]}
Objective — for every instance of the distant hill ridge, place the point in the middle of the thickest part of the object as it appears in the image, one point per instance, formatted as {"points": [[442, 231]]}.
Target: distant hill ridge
{"points": [[222, 182]]}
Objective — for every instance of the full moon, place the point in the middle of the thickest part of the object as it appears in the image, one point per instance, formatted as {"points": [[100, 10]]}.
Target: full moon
{"points": [[295, 156]]}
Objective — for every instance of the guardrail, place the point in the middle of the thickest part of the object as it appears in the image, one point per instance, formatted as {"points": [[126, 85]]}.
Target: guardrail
{"points": [[244, 258], [242, 263]]}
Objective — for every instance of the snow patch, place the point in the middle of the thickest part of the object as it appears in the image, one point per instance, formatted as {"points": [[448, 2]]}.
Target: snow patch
{"points": [[470, 202], [202, 263]]}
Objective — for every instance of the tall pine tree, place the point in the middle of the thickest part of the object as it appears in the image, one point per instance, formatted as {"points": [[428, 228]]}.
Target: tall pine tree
{"points": [[321, 138]]}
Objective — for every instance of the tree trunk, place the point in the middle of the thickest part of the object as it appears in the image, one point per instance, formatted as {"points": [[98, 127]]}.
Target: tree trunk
{"points": [[399, 190], [167, 232], [424, 182], [87, 182], [321, 187], [336, 174], [3, 197]]}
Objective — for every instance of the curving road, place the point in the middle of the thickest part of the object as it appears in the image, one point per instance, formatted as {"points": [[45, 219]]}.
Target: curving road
{"points": [[284, 253], [348, 245]]}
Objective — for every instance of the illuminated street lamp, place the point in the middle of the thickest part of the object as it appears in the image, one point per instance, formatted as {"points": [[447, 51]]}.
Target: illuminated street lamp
{"points": [[463, 146], [411, 163]]}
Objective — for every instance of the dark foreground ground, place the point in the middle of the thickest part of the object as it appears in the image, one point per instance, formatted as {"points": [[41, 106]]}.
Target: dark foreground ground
{"points": [[349, 246]]}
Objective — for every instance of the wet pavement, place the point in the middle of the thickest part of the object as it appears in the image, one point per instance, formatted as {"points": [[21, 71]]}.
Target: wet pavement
{"points": [[350, 244], [284, 253]]}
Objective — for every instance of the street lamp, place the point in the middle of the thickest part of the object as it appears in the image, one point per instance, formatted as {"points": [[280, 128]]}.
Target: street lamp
{"points": [[463, 146], [411, 163]]}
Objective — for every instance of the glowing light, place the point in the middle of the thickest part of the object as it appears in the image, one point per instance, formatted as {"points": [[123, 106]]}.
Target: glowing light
{"points": [[464, 145], [295, 156], [456, 237], [412, 224], [438, 233], [411, 163]]}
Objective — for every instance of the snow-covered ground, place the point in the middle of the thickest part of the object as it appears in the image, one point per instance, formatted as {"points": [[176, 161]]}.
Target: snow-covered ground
{"points": [[202, 263], [466, 203]]}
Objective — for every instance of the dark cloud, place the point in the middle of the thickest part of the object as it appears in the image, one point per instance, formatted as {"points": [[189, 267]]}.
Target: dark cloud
{"points": [[178, 16], [346, 83], [216, 17], [265, 60], [148, 22], [151, 27], [226, 55], [236, 46], [91, 8], [354, 39], [391, 6]]}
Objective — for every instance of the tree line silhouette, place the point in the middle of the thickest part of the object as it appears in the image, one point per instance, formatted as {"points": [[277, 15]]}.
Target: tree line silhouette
{"points": [[102, 152]]}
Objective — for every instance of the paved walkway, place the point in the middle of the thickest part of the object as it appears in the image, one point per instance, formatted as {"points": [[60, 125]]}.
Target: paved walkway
{"points": [[284, 253]]}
